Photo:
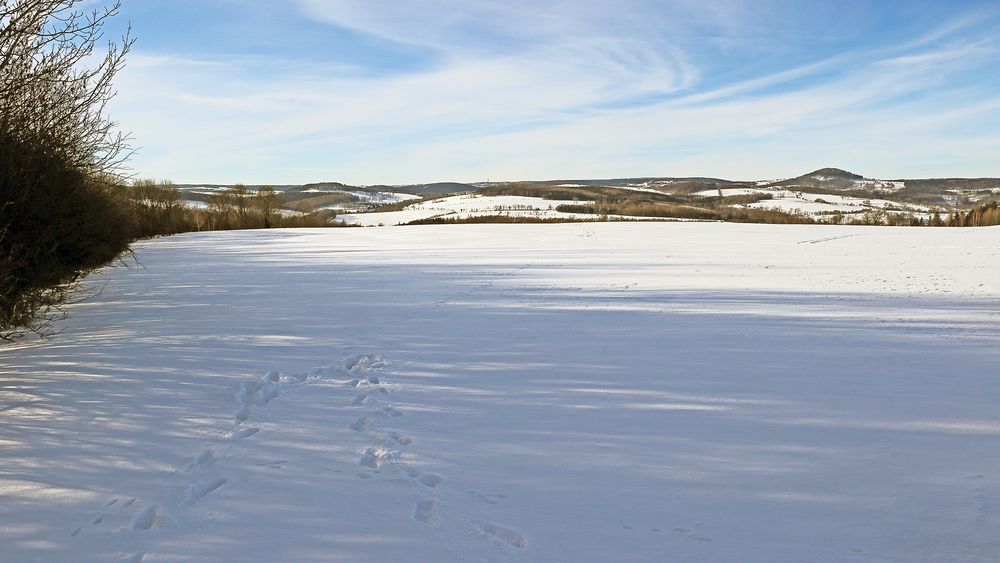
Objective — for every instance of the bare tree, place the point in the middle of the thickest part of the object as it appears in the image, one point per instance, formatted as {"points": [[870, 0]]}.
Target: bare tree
{"points": [[58, 150], [47, 91], [266, 201], [241, 198]]}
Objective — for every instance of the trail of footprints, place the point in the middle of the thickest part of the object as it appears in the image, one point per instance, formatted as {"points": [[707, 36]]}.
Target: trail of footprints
{"points": [[373, 394], [251, 397]]}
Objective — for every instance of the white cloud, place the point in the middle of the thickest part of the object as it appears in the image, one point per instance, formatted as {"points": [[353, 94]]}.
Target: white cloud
{"points": [[552, 106]]}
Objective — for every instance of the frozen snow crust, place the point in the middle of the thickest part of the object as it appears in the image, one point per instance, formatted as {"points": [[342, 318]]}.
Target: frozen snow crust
{"points": [[575, 392]]}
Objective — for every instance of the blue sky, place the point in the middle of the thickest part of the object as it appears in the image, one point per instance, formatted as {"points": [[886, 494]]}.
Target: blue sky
{"points": [[290, 91]]}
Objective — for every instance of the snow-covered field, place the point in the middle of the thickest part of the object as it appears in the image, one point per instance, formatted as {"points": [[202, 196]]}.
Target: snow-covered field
{"points": [[573, 392], [825, 203], [465, 206], [816, 204]]}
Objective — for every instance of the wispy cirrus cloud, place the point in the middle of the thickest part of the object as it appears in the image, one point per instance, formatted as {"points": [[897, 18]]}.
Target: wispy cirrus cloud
{"points": [[511, 90]]}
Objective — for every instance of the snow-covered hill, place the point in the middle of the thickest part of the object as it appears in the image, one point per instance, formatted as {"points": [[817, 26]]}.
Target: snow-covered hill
{"points": [[465, 206], [821, 206], [577, 392]]}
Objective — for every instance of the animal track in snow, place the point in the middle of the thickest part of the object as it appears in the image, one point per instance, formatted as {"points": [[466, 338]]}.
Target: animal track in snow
{"points": [[391, 411], [425, 512], [245, 433], [242, 414], [400, 439], [279, 464], [145, 518], [361, 424], [198, 490], [377, 456], [371, 384], [429, 480], [269, 392], [488, 499], [250, 400], [206, 457], [363, 363], [506, 535]]}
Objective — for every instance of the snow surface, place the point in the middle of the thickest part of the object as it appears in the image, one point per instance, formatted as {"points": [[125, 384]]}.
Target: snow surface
{"points": [[880, 185], [574, 392], [808, 203], [465, 206]]}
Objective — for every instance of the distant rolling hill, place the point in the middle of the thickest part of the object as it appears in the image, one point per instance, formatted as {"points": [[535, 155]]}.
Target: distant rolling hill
{"points": [[824, 178], [942, 192]]}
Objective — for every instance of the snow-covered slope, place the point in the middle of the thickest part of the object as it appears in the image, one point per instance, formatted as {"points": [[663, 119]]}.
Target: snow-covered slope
{"points": [[576, 392], [817, 205], [465, 206]]}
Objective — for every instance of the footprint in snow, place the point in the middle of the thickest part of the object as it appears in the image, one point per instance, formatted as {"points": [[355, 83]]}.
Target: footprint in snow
{"points": [[360, 425], [429, 480], [488, 499], [425, 512], [393, 412], [279, 464], [372, 382], [246, 391], [242, 414], [363, 362], [244, 433], [377, 456], [270, 391], [400, 439], [360, 399], [198, 490], [506, 535], [206, 457], [145, 518]]}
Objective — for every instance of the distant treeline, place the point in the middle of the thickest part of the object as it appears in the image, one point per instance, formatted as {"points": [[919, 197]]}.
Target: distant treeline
{"points": [[983, 216], [492, 219], [157, 208]]}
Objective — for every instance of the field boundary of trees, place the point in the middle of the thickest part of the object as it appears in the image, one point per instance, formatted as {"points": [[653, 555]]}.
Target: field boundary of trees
{"points": [[157, 208]]}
